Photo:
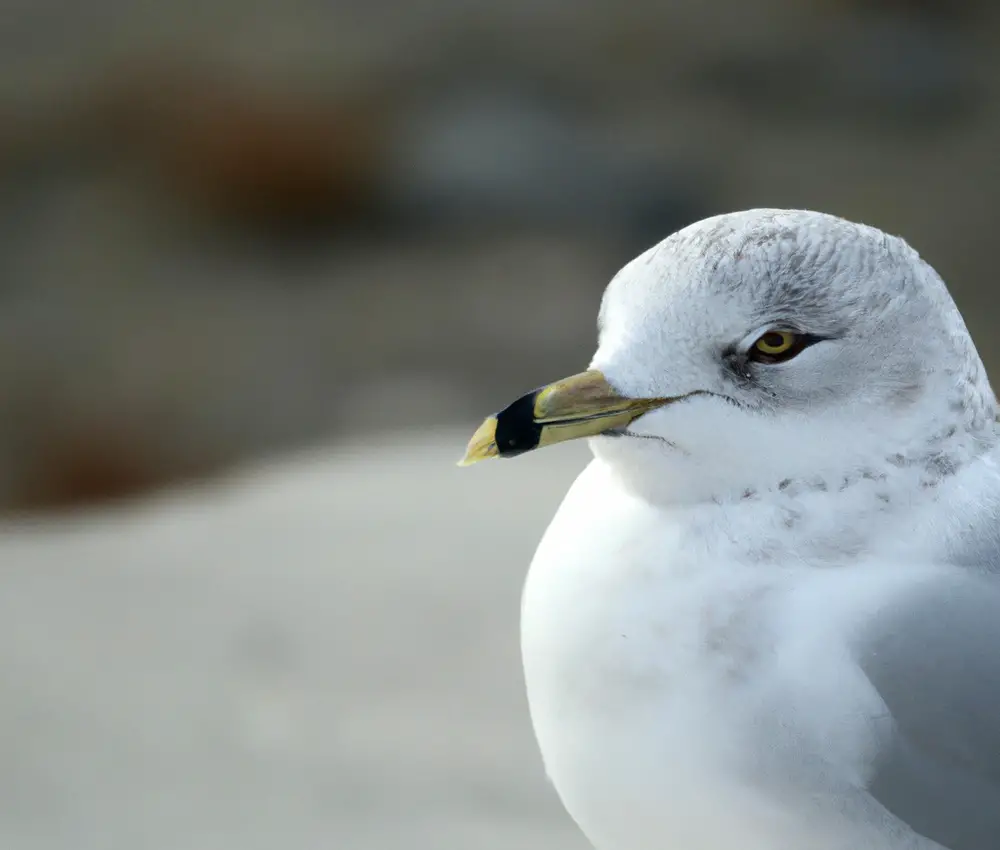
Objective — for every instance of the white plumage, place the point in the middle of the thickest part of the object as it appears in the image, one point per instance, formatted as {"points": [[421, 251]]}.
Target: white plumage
{"points": [[766, 615]]}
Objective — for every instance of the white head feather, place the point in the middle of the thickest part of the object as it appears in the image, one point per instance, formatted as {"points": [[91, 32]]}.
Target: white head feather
{"points": [[895, 387]]}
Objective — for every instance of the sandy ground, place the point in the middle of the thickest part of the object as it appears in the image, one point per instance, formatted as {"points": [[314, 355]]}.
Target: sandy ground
{"points": [[318, 653]]}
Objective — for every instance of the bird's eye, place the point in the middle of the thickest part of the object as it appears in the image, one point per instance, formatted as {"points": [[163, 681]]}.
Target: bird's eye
{"points": [[775, 346]]}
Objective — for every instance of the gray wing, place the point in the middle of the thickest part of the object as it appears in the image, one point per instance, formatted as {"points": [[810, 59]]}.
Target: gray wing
{"points": [[934, 657]]}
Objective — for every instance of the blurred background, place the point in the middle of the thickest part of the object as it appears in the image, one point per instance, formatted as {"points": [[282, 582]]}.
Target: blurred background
{"points": [[263, 267]]}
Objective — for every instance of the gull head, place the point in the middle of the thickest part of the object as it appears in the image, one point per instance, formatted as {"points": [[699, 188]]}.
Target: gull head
{"points": [[757, 349]]}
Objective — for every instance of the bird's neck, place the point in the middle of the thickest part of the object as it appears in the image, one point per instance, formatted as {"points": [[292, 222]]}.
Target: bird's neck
{"points": [[828, 517]]}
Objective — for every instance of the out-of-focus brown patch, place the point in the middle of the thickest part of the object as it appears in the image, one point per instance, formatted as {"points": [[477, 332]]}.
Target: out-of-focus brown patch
{"points": [[85, 466], [222, 146], [233, 150]]}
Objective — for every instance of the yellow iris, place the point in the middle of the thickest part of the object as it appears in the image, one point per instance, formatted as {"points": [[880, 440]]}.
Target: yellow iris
{"points": [[775, 342]]}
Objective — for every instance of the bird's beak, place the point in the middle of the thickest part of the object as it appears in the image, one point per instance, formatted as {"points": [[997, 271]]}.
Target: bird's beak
{"points": [[583, 405]]}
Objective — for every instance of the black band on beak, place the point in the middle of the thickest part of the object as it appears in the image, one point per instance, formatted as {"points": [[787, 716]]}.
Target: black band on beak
{"points": [[517, 431]]}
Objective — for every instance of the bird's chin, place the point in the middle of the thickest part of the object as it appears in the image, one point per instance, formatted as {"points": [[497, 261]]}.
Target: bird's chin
{"points": [[649, 466], [624, 446], [629, 434], [632, 435]]}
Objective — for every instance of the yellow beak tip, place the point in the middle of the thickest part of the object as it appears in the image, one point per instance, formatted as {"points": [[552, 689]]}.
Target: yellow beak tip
{"points": [[483, 444]]}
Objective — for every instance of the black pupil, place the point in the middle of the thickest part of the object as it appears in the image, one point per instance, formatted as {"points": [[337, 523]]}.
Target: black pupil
{"points": [[774, 340]]}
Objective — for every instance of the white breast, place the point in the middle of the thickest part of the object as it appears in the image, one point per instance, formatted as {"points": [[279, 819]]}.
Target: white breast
{"points": [[649, 663]]}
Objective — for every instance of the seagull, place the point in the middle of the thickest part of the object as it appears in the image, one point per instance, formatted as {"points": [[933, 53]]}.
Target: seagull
{"points": [[766, 615]]}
